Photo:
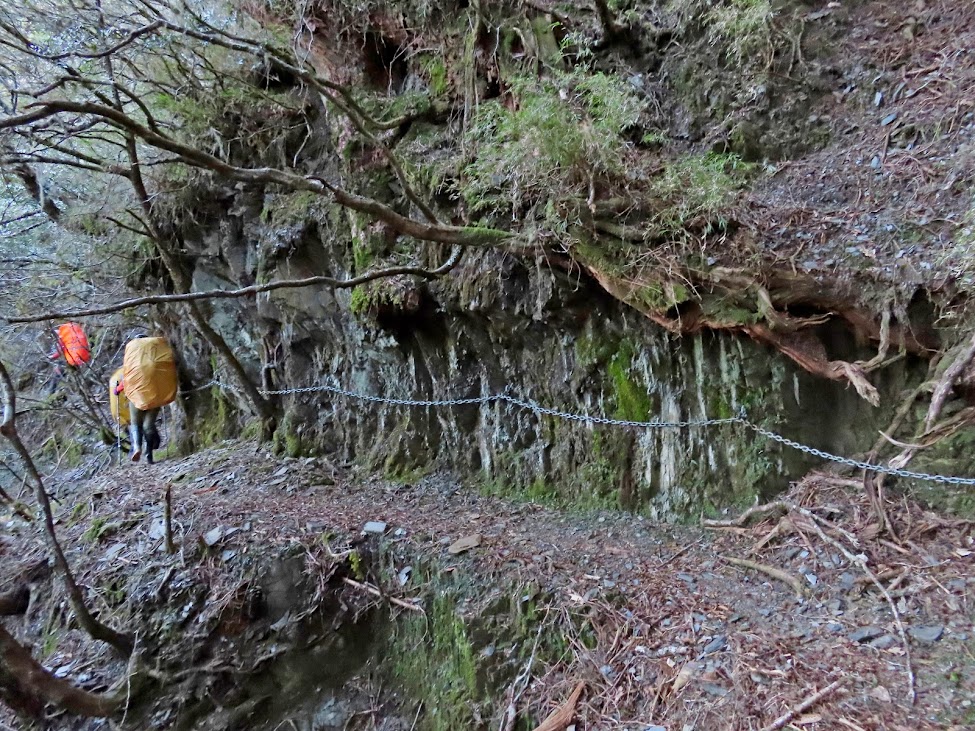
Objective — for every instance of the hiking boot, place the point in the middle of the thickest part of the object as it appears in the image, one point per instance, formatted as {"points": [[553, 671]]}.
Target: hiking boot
{"points": [[152, 443], [135, 436]]}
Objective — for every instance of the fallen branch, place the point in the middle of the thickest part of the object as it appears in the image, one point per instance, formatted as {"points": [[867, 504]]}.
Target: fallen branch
{"points": [[854, 541], [679, 553], [777, 506], [375, 592], [783, 527], [783, 576], [561, 719], [804, 706]]}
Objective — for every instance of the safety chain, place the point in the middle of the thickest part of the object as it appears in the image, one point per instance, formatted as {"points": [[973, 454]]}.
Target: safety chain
{"points": [[740, 418], [883, 469], [183, 392]]}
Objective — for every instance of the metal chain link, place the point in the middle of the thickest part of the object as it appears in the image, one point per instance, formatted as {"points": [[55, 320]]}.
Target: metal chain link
{"points": [[205, 386], [655, 424], [883, 469], [740, 418]]}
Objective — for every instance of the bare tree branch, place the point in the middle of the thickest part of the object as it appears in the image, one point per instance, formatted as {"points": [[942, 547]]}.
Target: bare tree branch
{"points": [[254, 289], [45, 160], [439, 232], [337, 94], [138, 32], [120, 642]]}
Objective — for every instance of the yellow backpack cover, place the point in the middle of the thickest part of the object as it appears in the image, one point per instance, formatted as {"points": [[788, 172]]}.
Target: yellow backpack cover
{"points": [[118, 403], [149, 372]]}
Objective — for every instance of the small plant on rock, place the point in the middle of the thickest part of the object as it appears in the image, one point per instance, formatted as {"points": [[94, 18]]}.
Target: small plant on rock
{"points": [[551, 137]]}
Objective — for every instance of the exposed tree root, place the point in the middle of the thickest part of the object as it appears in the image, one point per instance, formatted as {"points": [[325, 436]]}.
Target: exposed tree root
{"points": [[784, 576], [933, 431], [789, 334], [884, 346], [947, 382], [755, 511], [27, 686], [376, 592]]}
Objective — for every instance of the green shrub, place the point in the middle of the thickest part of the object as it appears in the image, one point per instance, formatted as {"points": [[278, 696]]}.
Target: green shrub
{"points": [[563, 133], [698, 186], [743, 27]]}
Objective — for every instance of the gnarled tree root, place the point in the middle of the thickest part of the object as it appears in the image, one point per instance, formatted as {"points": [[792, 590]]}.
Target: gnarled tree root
{"points": [[27, 686]]}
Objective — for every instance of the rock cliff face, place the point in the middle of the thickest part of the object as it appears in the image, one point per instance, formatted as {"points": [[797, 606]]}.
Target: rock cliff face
{"points": [[502, 324], [675, 239]]}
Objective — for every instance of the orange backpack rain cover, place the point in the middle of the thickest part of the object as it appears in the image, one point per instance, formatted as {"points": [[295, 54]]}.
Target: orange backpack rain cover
{"points": [[149, 373], [73, 343], [117, 402]]}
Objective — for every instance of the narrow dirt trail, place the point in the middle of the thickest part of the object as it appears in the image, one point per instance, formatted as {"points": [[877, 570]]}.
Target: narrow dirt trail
{"points": [[679, 636]]}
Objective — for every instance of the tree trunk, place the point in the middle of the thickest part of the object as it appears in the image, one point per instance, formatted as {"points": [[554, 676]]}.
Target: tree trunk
{"points": [[15, 601], [120, 642], [27, 686]]}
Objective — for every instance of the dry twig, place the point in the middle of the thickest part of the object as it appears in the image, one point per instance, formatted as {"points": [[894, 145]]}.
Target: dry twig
{"points": [[805, 705], [777, 506], [783, 527], [375, 592], [168, 519], [253, 290]]}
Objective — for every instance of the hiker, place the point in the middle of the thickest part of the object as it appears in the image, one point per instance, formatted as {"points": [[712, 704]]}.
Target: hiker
{"points": [[147, 380], [71, 344], [142, 427]]}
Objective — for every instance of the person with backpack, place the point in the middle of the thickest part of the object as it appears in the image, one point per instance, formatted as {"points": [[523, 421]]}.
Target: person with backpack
{"points": [[71, 345], [142, 427], [148, 382]]}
